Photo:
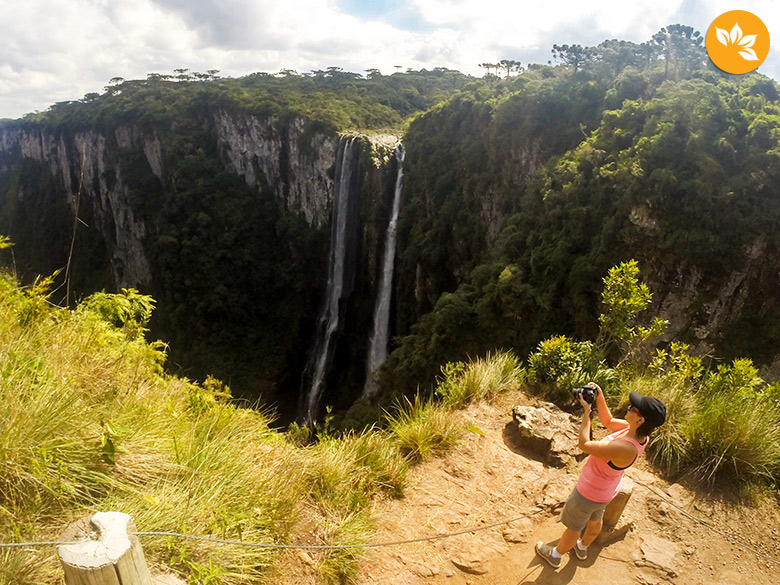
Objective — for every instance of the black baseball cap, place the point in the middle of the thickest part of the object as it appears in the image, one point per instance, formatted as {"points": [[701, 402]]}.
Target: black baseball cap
{"points": [[651, 409]]}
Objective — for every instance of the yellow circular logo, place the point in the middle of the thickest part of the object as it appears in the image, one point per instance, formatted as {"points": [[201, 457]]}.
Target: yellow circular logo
{"points": [[737, 41]]}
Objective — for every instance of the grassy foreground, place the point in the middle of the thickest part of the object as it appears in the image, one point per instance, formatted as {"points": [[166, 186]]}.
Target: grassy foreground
{"points": [[90, 422]]}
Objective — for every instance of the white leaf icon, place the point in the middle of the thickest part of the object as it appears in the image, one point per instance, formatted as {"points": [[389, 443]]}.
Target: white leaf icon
{"points": [[735, 39], [736, 33], [748, 55], [747, 41]]}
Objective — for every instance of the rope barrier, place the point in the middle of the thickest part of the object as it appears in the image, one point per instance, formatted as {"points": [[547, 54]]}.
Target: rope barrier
{"points": [[290, 546], [338, 546]]}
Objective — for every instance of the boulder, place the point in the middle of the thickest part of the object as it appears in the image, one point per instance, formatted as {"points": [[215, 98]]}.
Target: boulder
{"points": [[548, 432]]}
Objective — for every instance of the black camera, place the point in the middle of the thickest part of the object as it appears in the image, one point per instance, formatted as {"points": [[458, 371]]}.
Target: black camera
{"points": [[588, 394]]}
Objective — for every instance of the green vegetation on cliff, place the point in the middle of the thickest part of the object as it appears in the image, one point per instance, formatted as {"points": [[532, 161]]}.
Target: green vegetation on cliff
{"points": [[335, 99], [519, 197], [236, 274]]}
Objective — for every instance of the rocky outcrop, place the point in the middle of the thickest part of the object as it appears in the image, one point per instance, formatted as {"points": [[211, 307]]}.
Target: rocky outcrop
{"points": [[547, 432], [685, 310], [81, 161], [129, 137]]}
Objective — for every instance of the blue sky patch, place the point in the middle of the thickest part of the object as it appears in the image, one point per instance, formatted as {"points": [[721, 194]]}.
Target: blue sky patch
{"points": [[398, 14]]}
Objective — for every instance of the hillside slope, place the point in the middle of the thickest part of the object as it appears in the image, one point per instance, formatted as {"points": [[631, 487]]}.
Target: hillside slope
{"points": [[681, 534]]}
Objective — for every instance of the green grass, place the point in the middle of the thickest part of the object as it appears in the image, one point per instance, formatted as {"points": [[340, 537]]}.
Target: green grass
{"points": [[423, 429], [734, 437], [89, 422], [723, 428], [480, 379], [669, 446]]}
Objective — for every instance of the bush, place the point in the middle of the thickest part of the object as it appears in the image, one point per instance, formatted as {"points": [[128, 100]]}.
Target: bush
{"points": [[559, 365]]}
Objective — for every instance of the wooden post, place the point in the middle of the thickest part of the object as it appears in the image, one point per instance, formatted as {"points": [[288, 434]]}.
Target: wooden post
{"points": [[612, 513], [615, 508], [107, 554]]}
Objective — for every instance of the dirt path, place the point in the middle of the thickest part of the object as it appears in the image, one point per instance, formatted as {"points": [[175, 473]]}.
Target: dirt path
{"points": [[488, 480]]}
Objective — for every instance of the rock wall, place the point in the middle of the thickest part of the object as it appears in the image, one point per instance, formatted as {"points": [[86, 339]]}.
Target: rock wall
{"points": [[293, 162], [80, 161], [705, 323], [289, 160]]}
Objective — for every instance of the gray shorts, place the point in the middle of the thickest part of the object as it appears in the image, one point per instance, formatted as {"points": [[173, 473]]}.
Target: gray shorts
{"points": [[579, 510]]}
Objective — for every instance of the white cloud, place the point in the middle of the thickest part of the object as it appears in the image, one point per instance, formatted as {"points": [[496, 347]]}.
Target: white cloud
{"points": [[54, 50]]}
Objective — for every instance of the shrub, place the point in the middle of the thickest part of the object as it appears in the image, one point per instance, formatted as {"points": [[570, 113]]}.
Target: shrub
{"points": [[129, 311], [558, 365], [676, 363], [624, 297]]}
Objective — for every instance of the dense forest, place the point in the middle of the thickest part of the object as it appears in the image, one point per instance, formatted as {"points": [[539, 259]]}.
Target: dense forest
{"points": [[520, 192], [236, 274], [565, 171]]}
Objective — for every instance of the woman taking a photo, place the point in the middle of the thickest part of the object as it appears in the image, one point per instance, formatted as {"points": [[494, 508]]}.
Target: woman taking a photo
{"points": [[599, 480]]}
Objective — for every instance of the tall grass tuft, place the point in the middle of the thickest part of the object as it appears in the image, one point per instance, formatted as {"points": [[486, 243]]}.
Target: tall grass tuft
{"points": [[480, 379], [734, 433], [669, 446], [422, 429], [735, 437], [721, 426]]}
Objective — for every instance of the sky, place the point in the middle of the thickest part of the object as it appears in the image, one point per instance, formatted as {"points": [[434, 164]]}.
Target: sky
{"points": [[59, 50]]}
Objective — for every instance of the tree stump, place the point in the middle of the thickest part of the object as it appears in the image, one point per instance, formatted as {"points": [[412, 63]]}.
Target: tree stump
{"points": [[107, 552]]}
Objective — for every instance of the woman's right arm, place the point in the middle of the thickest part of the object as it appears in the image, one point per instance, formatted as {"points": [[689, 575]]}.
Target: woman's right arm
{"points": [[622, 453], [605, 415]]}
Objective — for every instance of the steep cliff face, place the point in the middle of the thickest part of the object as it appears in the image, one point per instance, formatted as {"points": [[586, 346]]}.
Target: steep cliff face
{"points": [[293, 162], [729, 317], [290, 161], [81, 163], [237, 271]]}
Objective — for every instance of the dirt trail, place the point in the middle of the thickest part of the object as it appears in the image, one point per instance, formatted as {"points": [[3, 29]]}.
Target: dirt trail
{"points": [[488, 480]]}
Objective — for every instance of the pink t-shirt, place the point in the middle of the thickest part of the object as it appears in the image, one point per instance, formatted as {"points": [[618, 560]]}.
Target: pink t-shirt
{"points": [[599, 482]]}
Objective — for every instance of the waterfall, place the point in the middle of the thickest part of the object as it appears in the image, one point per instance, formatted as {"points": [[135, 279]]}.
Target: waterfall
{"points": [[339, 278], [377, 348]]}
